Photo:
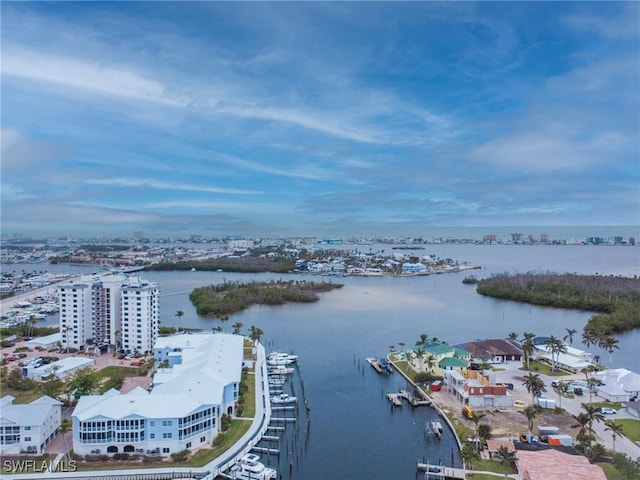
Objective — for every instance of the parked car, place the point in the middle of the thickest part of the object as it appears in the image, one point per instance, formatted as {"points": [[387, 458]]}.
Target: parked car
{"points": [[578, 391], [608, 411], [554, 384]]}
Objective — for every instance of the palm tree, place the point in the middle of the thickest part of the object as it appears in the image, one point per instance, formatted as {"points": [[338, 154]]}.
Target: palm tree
{"points": [[431, 362], [530, 412], [534, 385], [256, 334], [469, 455], [419, 352], [616, 429], [527, 346], [570, 333], [609, 343], [506, 456], [475, 418], [179, 314], [589, 337], [563, 389], [583, 422], [423, 339], [593, 413], [237, 327], [556, 347], [32, 323], [513, 336]]}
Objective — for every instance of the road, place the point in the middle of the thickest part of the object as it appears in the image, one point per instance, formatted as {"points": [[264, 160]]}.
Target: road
{"points": [[574, 406]]}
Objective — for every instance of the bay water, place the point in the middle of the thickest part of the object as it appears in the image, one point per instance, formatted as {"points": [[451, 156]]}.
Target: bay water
{"points": [[353, 432]]}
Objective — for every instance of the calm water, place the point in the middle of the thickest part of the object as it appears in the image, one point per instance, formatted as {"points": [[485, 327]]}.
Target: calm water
{"points": [[353, 433]]}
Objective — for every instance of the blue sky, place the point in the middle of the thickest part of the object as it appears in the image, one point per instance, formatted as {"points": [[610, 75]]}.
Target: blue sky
{"points": [[352, 118]]}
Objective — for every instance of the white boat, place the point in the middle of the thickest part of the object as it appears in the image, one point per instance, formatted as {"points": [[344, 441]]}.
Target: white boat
{"points": [[281, 370], [280, 358], [249, 467], [436, 427], [283, 399]]}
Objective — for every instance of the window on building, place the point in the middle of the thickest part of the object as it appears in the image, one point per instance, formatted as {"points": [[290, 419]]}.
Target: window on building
{"points": [[165, 450]]}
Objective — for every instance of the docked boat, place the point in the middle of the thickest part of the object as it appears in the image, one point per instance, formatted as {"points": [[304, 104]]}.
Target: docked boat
{"points": [[283, 399], [281, 358], [436, 427], [249, 467], [280, 370]]}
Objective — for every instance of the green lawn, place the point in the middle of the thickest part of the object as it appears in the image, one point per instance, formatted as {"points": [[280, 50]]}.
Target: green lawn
{"points": [[21, 396], [404, 367], [544, 368], [631, 428], [611, 472], [491, 466], [249, 405]]}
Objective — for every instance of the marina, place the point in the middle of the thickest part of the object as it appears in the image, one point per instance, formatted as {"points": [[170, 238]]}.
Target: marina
{"points": [[354, 321]]}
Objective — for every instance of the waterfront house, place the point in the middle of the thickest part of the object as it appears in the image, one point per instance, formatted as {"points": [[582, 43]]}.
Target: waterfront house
{"points": [[492, 351], [618, 384], [573, 360], [551, 464], [182, 411], [474, 389], [445, 357], [28, 428]]}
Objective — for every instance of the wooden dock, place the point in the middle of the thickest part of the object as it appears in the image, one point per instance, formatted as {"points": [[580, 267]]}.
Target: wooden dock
{"points": [[440, 472], [412, 399]]}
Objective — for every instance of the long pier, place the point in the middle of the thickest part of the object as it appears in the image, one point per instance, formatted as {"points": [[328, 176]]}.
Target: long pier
{"points": [[440, 472]]}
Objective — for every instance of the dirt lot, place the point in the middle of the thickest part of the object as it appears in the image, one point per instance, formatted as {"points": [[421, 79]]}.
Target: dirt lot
{"points": [[511, 422]]}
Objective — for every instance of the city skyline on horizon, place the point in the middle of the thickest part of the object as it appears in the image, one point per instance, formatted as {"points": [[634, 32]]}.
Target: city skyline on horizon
{"points": [[321, 119]]}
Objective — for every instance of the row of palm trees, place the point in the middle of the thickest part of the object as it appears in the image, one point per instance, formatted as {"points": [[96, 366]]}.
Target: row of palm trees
{"points": [[557, 346], [255, 332]]}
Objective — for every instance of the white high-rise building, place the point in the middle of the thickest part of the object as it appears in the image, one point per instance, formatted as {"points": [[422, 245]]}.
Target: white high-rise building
{"points": [[109, 309], [75, 313], [140, 315]]}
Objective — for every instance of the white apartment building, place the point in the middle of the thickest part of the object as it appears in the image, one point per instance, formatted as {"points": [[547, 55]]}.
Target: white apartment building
{"points": [[182, 411], [140, 315], [28, 428], [109, 309]]}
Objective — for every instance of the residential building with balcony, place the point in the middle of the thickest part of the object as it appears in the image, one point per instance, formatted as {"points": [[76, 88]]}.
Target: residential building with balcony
{"points": [[28, 428], [182, 411]]}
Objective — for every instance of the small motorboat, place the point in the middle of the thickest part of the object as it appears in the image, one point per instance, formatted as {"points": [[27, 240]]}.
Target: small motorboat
{"points": [[249, 467], [283, 399], [280, 358]]}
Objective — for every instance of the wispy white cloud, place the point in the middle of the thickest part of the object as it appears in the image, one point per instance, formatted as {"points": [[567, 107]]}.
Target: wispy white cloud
{"points": [[88, 75], [226, 206], [307, 171], [620, 23], [164, 185]]}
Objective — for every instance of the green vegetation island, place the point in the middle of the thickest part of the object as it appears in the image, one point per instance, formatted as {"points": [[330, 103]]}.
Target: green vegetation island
{"points": [[252, 264], [231, 297], [615, 299]]}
